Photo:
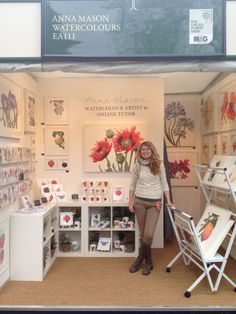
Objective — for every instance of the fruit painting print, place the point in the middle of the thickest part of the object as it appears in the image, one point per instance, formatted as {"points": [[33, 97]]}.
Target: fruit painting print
{"points": [[55, 110], [212, 228], [56, 141], [112, 148], [207, 227]]}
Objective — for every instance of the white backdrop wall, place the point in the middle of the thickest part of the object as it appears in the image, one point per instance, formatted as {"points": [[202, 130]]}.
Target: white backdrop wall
{"points": [[133, 100]]}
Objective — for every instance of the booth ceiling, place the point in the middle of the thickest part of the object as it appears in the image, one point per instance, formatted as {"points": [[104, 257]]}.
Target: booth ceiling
{"points": [[175, 82]]}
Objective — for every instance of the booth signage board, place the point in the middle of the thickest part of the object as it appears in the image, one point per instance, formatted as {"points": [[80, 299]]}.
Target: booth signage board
{"points": [[133, 28]]}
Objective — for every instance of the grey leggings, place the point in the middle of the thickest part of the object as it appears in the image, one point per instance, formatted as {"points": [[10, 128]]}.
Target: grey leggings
{"points": [[147, 216]]}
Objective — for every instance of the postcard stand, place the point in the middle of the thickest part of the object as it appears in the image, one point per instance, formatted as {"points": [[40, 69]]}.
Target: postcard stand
{"points": [[191, 250]]}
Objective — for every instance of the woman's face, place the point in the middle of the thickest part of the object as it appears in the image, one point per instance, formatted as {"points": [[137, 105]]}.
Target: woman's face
{"points": [[145, 152]]}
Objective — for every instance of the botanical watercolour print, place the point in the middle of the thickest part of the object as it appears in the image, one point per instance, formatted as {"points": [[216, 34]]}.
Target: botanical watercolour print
{"points": [[226, 110], [112, 148], [208, 104], [10, 108], [220, 178], [4, 245], [220, 162], [224, 145], [205, 151], [233, 144], [30, 111], [181, 168], [56, 110], [180, 124], [212, 228], [214, 146], [56, 163], [56, 141]]}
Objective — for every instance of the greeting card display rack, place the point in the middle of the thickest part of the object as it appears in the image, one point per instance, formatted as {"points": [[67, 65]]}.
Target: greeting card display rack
{"points": [[191, 245]]}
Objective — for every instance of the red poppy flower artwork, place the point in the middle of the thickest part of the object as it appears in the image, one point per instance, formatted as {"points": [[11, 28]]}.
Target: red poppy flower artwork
{"points": [[101, 150], [126, 140], [116, 151], [228, 110]]}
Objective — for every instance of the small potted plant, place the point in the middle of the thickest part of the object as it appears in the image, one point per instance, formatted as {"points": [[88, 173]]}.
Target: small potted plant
{"points": [[65, 243], [129, 242]]}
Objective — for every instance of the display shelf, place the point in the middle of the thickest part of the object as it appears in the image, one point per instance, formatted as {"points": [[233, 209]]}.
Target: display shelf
{"points": [[30, 253], [70, 235], [112, 223]]}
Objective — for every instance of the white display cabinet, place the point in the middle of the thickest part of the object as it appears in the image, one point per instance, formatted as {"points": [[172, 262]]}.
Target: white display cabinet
{"points": [[111, 231], [70, 229], [33, 243]]}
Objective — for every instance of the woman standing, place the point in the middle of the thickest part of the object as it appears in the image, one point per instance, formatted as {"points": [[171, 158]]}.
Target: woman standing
{"points": [[147, 185]]}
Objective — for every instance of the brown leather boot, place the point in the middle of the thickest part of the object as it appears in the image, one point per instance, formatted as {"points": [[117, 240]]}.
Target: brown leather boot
{"points": [[148, 261], [137, 264]]}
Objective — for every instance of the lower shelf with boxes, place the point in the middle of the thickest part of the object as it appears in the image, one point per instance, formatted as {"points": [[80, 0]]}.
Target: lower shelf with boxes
{"points": [[101, 230]]}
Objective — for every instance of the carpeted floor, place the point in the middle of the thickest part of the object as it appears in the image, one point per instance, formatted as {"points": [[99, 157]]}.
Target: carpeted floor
{"points": [[106, 282]]}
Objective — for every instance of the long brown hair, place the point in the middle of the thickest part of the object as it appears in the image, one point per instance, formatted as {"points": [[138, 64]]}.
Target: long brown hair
{"points": [[155, 161]]}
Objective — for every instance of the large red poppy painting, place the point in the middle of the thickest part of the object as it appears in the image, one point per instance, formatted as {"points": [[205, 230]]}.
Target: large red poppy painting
{"points": [[112, 148]]}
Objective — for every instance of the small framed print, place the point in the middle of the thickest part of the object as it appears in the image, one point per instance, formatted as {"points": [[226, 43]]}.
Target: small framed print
{"points": [[56, 141], [118, 193], [55, 110], [30, 111], [95, 219], [26, 202], [50, 163], [66, 219], [104, 244]]}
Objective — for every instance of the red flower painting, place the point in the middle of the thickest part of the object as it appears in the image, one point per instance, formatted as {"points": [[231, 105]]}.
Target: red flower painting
{"points": [[228, 107], [124, 143], [126, 140], [179, 169], [101, 150]]}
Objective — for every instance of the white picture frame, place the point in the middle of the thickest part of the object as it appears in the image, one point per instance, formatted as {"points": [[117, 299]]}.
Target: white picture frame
{"points": [[95, 219], [56, 141], [104, 244], [66, 219], [30, 111], [56, 110], [11, 113]]}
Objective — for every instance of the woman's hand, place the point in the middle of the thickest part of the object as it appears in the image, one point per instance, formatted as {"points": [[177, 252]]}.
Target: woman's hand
{"points": [[171, 205], [131, 206]]}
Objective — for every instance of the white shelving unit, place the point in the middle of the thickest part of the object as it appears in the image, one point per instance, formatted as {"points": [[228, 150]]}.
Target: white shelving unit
{"points": [[116, 231], [88, 234], [32, 238]]}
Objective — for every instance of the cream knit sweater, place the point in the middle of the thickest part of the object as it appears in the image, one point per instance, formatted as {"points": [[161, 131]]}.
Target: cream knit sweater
{"points": [[147, 185]]}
